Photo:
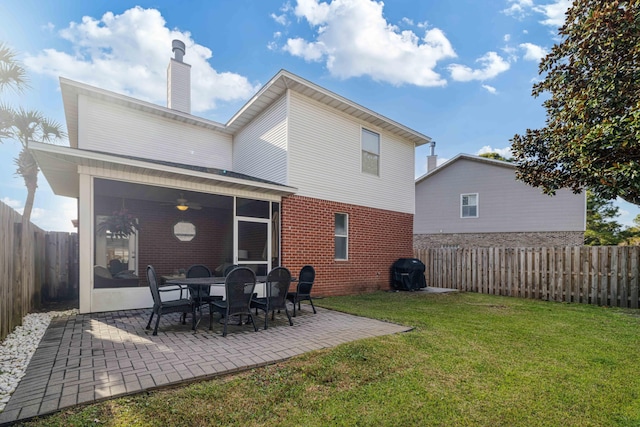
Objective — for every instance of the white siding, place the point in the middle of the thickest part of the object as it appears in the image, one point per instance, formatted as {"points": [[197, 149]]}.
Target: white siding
{"points": [[325, 159], [260, 148], [116, 129], [504, 204], [179, 86]]}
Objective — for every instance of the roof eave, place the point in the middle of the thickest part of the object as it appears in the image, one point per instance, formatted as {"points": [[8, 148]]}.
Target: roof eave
{"points": [[60, 167]]}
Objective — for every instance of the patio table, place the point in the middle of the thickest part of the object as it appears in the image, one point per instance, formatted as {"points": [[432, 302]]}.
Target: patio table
{"points": [[206, 282]]}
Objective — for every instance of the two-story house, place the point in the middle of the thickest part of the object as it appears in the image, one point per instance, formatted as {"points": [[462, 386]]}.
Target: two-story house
{"points": [[299, 175], [473, 201]]}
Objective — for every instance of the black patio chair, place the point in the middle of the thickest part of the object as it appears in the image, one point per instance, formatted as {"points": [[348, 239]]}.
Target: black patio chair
{"points": [[276, 288], [239, 286], [200, 295], [305, 283], [229, 269], [162, 306]]}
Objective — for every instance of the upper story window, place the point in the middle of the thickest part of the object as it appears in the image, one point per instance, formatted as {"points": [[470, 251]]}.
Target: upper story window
{"points": [[469, 205], [370, 152], [341, 236]]}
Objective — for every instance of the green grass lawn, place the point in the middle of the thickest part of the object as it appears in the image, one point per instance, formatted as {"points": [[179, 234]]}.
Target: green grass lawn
{"points": [[472, 360]]}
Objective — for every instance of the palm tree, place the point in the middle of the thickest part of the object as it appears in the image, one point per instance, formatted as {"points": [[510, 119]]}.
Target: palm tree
{"points": [[12, 74], [24, 126]]}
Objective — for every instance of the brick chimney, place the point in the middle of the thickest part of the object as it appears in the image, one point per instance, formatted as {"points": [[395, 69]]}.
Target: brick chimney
{"points": [[179, 80]]}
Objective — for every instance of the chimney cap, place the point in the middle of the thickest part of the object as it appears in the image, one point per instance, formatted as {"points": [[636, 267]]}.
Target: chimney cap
{"points": [[179, 49]]}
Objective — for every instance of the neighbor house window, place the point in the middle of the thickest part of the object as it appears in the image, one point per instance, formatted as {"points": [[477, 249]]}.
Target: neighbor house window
{"points": [[469, 205], [370, 152], [341, 236]]}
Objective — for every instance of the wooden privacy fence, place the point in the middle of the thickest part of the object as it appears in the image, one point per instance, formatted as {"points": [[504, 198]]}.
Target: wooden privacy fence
{"points": [[600, 275], [49, 272]]}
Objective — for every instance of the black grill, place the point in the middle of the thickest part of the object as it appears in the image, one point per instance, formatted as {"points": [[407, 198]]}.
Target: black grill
{"points": [[407, 274]]}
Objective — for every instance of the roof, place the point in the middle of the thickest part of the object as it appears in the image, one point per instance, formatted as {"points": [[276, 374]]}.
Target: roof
{"points": [[71, 90], [268, 94], [284, 80], [59, 164], [470, 157]]}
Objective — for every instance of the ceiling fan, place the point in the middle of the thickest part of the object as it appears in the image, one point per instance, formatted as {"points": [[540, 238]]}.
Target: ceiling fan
{"points": [[183, 204]]}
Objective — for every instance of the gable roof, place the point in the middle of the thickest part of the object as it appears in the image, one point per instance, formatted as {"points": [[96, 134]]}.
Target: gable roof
{"points": [[284, 80], [268, 94], [470, 157], [71, 90]]}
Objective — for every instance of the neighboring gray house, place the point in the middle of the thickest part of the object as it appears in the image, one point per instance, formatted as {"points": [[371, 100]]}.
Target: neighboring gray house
{"points": [[475, 201]]}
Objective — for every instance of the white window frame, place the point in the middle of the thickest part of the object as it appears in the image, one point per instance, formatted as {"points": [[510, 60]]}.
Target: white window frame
{"points": [[362, 151], [345, 236], [477, 205]]}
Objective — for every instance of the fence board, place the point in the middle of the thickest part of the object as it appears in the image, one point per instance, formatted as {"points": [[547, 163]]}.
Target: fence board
{"points": [[589, 275], [22, 280], [613, 280]]}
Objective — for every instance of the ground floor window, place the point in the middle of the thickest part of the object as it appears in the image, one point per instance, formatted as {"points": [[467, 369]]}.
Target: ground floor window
{"points": [[341, 236]]}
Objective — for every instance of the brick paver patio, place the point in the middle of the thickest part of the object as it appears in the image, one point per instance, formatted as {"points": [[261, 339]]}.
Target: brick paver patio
{"points": [[87, 358]]}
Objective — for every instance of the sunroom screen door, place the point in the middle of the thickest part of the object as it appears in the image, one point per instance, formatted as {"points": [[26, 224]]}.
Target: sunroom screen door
{"points": [[253, 244]]}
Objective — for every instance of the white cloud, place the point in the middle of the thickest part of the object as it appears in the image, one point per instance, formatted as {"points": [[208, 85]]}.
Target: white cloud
{"points": [[492, 64], [56, 217], [507, 37], [407, 21], [280, 19], [309, 51], [490, 89], [533, 52], [627, 212], [504, 152], [12, 203], [554, 12], [511, 52], [375, 48], [129, 53], [422, 169], [518, 8]]}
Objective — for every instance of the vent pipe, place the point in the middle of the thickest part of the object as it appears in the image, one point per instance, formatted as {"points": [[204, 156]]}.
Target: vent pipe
{"points": [[179, 49]]}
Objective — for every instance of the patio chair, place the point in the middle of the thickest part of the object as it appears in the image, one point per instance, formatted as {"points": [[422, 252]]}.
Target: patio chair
{"points": [[200, 295], [305, 283], [239, 286], [277, 287], [162, 306], [229, 269]]}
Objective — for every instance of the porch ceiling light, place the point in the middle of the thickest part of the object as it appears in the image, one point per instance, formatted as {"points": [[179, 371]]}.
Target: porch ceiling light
{"points": [[182, 207]]}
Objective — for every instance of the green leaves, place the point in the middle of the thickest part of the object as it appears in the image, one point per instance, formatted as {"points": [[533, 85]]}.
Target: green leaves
{"points": [[12, 74], [592, 78]]}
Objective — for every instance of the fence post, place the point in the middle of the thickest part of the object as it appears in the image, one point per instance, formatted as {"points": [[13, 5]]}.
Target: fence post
{"points": [[633, 291]]}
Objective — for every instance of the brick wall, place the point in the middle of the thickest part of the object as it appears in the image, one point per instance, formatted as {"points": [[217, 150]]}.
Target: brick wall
{"points": [[157, 246], [531, 239], [377, 238]]}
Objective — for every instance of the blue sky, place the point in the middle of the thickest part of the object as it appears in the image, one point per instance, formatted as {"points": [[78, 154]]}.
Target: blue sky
{"points": [[458, 71]]}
